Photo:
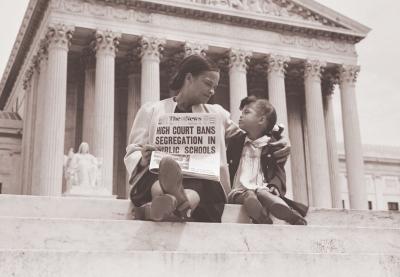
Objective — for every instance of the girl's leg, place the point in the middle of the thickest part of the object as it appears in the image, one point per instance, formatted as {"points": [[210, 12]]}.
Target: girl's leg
{"points": [[278, 208], [252, 205]]}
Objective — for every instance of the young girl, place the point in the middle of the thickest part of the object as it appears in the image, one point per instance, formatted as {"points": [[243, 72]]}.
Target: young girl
{"points": [[258, 180]]}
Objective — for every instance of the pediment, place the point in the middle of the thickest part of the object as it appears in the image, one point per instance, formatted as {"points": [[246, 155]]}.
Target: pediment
{"points": [[308, 13]]}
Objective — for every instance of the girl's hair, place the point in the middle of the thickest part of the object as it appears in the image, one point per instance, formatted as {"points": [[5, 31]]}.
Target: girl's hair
{"points": [[194, 64], [263, 107]]}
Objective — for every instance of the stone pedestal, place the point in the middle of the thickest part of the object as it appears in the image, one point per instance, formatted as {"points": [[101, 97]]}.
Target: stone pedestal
{"points": [[51, 156], [321, 191], [237, 80], [352, 138]]}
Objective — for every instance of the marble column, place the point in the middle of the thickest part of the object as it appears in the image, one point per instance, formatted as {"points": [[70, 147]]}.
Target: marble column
{"points": [[321, 191], [89, 62], [105, 46], [352, 138], [51, 157], [150, 54], [297, 158], [38, 125], [333, 158], [238, 60], [277, 97], [134, 79], [195, 48], [28, 132]]}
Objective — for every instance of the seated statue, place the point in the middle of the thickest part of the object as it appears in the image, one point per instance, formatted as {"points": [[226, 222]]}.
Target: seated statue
{"points": [[82, 168]]}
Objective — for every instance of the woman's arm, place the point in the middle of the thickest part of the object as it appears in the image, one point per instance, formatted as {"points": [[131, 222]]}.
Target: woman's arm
{"points": [[138, 138]]}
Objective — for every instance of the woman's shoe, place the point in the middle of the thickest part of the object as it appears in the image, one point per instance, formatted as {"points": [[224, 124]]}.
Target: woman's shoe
{"points": [[162, 206], [170, 178]]}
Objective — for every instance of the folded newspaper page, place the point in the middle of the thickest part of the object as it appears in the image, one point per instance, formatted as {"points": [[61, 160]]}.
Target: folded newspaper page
{"points": [[192, 140]]}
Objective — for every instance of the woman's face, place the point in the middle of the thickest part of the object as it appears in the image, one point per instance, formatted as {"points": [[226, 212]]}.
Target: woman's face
{"points": [[202, 86]]}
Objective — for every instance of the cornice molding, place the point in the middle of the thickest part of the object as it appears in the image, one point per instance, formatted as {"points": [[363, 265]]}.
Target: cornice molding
{"points": [[30, 23]]}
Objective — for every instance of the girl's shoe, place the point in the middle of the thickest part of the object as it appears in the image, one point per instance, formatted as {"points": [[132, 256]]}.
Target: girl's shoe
{"points": [[256, 211]]}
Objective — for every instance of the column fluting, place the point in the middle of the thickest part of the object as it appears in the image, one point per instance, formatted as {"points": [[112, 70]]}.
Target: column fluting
{"points": [[238, 60], [321, 191], [352, 138], [105, 46], [51, 157], [150, 52], [333, 158], [277, 97]]}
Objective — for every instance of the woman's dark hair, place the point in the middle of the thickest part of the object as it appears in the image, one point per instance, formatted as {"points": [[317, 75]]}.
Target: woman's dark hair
{"points": [[263, 107], [194, 64]]}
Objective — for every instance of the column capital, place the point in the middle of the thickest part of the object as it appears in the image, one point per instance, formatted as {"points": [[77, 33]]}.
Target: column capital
{"points": [[106, 42], [28, 76], [151, 47], [192, 48], [239, 59], [313, 68], [59, 36], [277, 63], [133, 61], [348, 73], [88, 58], [328, 81]]}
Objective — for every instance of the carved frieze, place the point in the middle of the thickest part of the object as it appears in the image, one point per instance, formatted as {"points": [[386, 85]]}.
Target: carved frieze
{"points": [[277, 8], [98, 9], [320, 43]]}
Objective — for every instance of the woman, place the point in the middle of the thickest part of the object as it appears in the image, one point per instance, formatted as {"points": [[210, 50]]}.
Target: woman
{"points": [[195, 82]]}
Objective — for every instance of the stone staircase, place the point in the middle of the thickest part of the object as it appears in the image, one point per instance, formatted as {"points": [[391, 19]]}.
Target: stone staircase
{"points": [[49, 236]]}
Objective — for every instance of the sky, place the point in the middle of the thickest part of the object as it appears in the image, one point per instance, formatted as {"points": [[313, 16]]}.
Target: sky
{"points": [[378, 97]]}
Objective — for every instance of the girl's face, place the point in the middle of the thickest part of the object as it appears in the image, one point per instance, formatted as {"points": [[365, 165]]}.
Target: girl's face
{"points": [[250, 120], [202, 87]]}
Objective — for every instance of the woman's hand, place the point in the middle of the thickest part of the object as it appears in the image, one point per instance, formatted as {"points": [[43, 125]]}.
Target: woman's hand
{"points": [[146, 150], [282, 149]]}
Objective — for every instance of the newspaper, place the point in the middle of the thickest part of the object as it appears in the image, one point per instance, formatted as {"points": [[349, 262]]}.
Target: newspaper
{"points": [[192, 140]]}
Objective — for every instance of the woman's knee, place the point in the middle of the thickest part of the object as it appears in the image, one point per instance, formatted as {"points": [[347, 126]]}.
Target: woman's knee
{"points": [[156, 190], [193, 198]]}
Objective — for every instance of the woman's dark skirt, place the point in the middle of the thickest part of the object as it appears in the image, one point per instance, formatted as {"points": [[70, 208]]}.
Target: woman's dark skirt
{"points": [[212, 198]]}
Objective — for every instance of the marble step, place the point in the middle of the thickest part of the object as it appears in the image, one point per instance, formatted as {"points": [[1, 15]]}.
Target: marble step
{"points": [[133, 235], [100, 208], [22, 263]]}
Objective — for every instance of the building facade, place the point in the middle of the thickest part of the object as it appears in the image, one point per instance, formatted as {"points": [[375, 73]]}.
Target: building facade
{"points": [[80, 70], [382, 177]]}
